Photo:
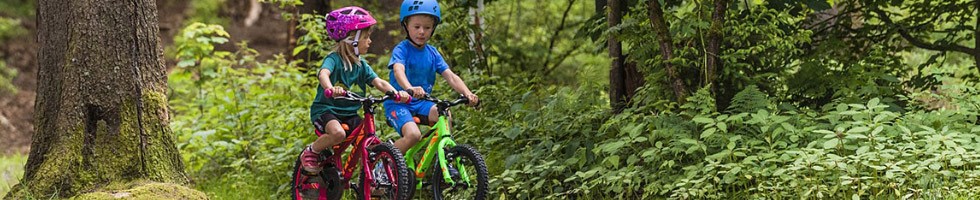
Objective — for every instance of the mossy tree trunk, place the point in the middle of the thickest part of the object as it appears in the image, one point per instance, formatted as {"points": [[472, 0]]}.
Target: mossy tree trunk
{"points": [[101, 111]]}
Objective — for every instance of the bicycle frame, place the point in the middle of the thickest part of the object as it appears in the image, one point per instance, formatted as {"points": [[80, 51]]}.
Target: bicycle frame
{"points": [[439, 138], [361, 138]]}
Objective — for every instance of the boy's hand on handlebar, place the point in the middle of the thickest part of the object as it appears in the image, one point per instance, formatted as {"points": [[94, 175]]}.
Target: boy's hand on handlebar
{"points": [[417, 92], [473, 99]]}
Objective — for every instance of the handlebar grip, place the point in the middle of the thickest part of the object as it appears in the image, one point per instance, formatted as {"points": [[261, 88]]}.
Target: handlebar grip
{"points": [[398, 98], [329, 93]]}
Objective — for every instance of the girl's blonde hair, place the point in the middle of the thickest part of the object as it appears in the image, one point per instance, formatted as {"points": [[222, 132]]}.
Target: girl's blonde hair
{"points": [[346, 49]]}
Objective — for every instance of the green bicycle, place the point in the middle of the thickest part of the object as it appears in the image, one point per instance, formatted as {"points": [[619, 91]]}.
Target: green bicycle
{"points": [[460, 172]]}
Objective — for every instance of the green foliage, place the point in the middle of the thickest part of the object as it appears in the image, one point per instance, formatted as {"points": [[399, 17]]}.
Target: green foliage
{"points": [[796, 112], [17, 8], [850, 150], [207, 11], [236, 187], [195, 45], [6, 76], [9, 28], [749, 100], [315, 41], [11, 171], [521, 40], [249, 122]]}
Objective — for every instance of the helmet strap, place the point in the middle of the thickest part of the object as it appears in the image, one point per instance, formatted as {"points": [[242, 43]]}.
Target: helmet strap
{"points": [[357, 36]]}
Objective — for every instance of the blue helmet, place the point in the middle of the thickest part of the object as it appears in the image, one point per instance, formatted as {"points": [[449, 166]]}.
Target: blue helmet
{"points": [[416, 7]]}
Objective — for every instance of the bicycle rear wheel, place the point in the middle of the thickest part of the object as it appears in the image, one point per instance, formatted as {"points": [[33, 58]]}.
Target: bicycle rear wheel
{"points": [[391, 180], [461, 157]]}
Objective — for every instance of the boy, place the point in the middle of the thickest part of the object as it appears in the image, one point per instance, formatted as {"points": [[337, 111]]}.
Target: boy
{"points": [[414, 65]]}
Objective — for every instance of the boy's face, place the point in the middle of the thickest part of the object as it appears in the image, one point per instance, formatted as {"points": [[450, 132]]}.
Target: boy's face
{"points": [[420, 28]]}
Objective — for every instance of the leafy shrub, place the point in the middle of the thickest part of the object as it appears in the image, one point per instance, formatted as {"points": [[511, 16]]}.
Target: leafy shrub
{"points": [[9, 28], [6, 76], [237, 118]]}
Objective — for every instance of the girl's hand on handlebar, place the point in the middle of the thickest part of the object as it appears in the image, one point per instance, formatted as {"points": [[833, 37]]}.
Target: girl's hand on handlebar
{"points": [[473, 99], [403, 97], [336, 91]]}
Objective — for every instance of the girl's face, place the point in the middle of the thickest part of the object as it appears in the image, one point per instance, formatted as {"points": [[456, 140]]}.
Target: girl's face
{"points": [[420, 28], [364, 43]]}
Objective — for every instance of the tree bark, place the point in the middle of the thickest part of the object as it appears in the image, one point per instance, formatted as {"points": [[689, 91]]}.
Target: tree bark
{"points": [[477, 37], [617, 79], [662, 31], [101, 108], [634, 79], [715, 36]]}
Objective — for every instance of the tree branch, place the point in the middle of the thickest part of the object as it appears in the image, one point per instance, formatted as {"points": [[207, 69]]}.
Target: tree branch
{"points": [[554, 35], [561, 59], [903, 31]]}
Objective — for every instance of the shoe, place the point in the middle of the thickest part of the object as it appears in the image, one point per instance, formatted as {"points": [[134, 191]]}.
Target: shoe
{"points": [[311, 162]]}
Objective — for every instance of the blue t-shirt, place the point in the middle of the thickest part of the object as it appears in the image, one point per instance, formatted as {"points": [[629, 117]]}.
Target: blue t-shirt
{"points": [[359, 75], [421, 65]]}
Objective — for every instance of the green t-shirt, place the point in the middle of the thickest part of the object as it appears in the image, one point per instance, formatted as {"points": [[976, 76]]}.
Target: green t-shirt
{"points": [[360, 75]]}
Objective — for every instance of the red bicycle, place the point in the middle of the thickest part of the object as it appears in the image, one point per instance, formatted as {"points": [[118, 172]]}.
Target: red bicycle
{"points": [[383, 168]]}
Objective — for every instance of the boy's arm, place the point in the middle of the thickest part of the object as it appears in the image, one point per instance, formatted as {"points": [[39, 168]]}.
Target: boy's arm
{"points": [[459, 86], [402, 79]]}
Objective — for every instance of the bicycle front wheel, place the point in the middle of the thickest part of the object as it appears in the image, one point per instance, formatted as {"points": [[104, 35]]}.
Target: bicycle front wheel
{"points": [[326, 185], [391, 178], [462, 161]]}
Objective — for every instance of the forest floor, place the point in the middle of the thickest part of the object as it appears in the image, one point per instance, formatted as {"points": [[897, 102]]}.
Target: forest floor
{"points": [[17, 109]]}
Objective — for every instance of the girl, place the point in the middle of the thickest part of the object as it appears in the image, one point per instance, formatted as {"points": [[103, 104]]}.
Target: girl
{"points": [[351, 28]]}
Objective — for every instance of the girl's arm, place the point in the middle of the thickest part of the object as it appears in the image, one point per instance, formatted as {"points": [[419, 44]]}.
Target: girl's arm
{"points": [[459, 86], [402, 80], [324, 76], [384, 86]]}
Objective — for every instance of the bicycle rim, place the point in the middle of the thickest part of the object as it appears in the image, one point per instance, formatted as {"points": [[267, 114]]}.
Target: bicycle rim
{"points": [[474, 168], [390, 181]]}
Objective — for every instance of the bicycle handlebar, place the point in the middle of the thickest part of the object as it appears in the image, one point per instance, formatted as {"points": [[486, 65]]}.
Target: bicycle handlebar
{"points": [[448, 103], [350, 96]]}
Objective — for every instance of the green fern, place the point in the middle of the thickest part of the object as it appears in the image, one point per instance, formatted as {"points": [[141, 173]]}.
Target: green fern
{"points": [[749, 100], [701, 103]]}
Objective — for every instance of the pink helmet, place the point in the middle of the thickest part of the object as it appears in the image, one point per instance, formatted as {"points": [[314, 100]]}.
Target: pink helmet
{"points": [[347, 19]]}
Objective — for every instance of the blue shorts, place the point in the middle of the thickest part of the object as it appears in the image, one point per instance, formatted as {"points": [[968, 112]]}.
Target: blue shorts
{"points": [[398, 114]]}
